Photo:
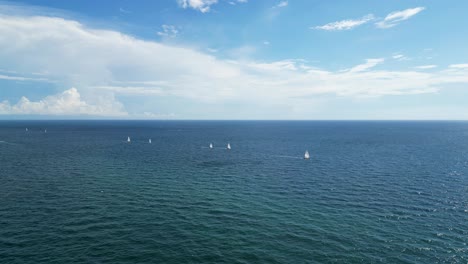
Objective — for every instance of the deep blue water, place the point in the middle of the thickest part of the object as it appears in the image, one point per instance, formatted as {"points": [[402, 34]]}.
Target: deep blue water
{"points": [[390, 192]]}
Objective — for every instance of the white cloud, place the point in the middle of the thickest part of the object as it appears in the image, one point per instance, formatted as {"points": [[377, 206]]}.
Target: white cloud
{"points": [[132, 90], [8, 71], [106, 63], [238, 1], [370, 63], [168, 31], [345, 24], [151, 115], [68, 102], [459, 66], [122, 10], [242, 52], [273, 12], [424, 67], [200, 5], [20, 78], [281, 4], [275, 66], [266, 42], [395, 18], [400, 57]]}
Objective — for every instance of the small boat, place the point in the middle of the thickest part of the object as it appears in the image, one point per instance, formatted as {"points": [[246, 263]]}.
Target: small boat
{"points": [[128, 140], [45, 130], [306, 155], [211, 145], [149, 141], [228, 146], [27, 130]]}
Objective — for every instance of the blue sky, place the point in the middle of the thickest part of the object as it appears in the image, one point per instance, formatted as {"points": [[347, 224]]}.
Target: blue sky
{"points": [[234, 59]]}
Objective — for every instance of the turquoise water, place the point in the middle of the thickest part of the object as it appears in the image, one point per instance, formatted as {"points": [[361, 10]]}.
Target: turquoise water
{"points": [[390, 192]]}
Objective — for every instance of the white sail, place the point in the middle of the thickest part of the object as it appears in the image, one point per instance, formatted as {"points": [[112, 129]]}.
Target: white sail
{"points": [[228, 146], [45, 131], [211, 145], [128, 140], [306, 155], [149, 141], [26, 129]]}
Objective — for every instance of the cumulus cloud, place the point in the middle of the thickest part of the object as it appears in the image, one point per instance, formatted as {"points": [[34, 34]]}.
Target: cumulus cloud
{"points": [[200, 5], [84, 57], [395, 18], [107, 64], [68, 102], [345, 24]]}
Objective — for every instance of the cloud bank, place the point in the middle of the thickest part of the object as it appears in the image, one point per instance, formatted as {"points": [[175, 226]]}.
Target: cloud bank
{"points": [[107, 66], [68, 102]]}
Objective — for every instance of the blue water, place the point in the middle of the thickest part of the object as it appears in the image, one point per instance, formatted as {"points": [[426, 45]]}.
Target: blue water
{"points": [[390, 192]]}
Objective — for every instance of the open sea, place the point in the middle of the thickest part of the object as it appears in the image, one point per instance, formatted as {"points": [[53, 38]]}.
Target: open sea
{"points": [[372, 192]]}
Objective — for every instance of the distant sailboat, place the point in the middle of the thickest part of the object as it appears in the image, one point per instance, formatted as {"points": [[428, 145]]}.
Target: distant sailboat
{"points": [[128, 140], [45, 130], [228, 146], [306, 155], [27, 130], [149, 141], [211, 145]]}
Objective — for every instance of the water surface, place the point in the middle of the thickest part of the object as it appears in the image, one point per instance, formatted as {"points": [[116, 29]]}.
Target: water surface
{"points": [[393, 192]]}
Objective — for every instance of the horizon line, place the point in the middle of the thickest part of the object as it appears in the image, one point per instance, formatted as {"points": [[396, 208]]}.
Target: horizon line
{"points": [[261, 120]]}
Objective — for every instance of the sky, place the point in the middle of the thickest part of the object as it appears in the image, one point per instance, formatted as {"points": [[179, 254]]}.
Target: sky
{"points": [[234, 59]]}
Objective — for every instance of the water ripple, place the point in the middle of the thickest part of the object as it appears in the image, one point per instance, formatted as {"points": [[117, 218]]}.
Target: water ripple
{"points": [[381, 192]]}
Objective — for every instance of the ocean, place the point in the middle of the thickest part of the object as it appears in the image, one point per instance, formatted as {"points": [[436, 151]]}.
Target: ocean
{"points": [[372, 192]]}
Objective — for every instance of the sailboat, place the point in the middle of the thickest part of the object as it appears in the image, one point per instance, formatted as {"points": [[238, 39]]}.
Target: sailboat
{"points": [[27, 130], [228, 146], [149, 141], [128, 140], [306, 155], [45, 130], [211, 145]]}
